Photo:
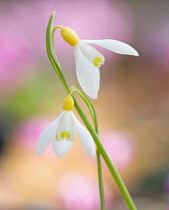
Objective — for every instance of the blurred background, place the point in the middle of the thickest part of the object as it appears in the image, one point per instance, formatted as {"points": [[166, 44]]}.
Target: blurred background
{"points": [[132, 108]]}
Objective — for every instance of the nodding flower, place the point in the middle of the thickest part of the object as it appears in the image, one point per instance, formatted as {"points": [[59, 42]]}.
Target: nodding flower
{"points": [[89, 60], [62, 132]]}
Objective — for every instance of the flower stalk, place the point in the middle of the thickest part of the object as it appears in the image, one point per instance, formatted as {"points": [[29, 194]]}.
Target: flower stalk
{"points": [[99, 165], [93, 132]]}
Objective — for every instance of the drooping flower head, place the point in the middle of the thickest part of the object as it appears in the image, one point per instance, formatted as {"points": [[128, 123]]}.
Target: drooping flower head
{"points": [[62, 132], [89, 60]]}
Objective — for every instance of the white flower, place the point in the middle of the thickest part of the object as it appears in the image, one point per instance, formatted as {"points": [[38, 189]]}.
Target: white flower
{"points": [[62, 133], [88, 59]]}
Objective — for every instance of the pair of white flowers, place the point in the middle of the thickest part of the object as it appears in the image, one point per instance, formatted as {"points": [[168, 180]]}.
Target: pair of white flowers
{"points": [[62, 132]]}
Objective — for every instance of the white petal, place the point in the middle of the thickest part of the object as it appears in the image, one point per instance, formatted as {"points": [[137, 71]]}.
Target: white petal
{"points": [[66, 129], [90, 53], [115, 46], [85, 138], [61, 147], [47, 135], [87, 74]]}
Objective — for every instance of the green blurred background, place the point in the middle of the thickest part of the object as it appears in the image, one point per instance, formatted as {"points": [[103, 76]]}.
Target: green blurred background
{"points": [[132, 108]]}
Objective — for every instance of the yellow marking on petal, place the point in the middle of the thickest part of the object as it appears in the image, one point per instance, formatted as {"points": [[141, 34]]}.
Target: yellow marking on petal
{"points": [[97, 61], [69, 36], [68, 103], [65, 135]]}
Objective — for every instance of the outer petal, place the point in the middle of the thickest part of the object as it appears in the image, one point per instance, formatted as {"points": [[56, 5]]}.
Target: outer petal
{"points": [[61, 147], [115, 46], [87, 74], [47, 135], [90, 53], [85, 137]]}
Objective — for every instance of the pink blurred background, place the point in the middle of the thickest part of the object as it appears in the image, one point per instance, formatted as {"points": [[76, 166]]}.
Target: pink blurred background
{"points": [[132, 108]]}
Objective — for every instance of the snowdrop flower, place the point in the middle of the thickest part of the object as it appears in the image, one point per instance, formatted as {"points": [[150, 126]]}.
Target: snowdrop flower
{"points": [[62, 132], [88, 59]]}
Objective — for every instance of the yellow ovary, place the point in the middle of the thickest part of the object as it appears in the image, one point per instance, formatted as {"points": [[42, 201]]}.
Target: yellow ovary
{"points": [[69, 36], [68, 103], [97, 61]]}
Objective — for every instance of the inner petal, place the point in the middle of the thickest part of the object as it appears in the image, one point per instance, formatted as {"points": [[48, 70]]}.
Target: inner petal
{"points": [[92, 54], [66, 128]]}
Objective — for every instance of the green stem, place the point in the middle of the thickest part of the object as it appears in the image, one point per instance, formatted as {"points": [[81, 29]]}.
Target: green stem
{"points": [[100, 179], [113, 170], [88, 104], [99, 165], [108, 161]]}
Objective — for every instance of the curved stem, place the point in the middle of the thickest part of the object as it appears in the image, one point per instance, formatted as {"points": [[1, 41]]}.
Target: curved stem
{"points": [[99, 165], [88, 104], [113, 170]]}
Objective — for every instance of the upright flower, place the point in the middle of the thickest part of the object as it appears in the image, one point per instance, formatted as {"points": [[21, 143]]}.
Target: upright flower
{"points": [[88, 59], [62, 132]]}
